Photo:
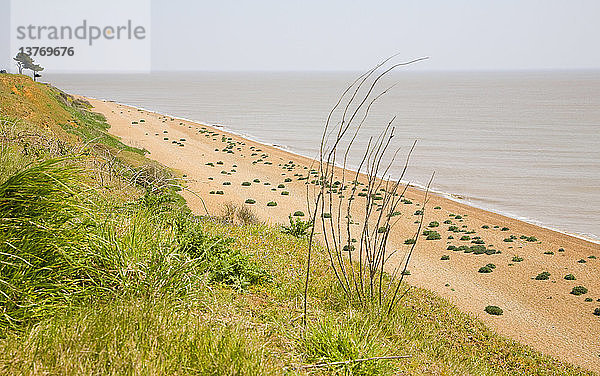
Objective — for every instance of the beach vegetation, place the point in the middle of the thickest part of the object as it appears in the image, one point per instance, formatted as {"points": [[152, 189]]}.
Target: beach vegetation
{"points": [[579, 290], [542, 276], [494, 310]]}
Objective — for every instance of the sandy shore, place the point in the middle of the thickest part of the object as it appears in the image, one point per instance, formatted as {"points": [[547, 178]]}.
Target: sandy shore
{"points": [[540, 313]]}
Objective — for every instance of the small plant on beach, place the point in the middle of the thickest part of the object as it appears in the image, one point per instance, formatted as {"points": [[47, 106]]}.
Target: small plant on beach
{"points": [[256, 180], [246, 184], [250, 201], [281, 186], [287, 180], [494, 310], [445, 257], [285, 193], [581, 261], [298, 213], [410, 241], [271, 203], [517, 259], [433, 235], [542, 276], [433, 224], [485, 226], [465, 237], [570, 277], [504, 229], [485, 269], [579, 290], [597, 311]]}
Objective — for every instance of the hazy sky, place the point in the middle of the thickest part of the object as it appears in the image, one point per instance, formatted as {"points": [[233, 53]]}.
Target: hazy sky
{"points": [[353, 35]]}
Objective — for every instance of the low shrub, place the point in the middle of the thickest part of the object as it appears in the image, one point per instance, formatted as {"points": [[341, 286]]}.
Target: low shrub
{"points": [[579, 290], [542, 276], [410, 241], [271, 203], [297, 227], [433, 224], [445, 257], [494, 310], [298, 213], [246, 184], [517, 259], [570, 277]]}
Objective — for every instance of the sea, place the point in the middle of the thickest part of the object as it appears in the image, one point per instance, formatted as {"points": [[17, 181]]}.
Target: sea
{"points": [[523, 144]]}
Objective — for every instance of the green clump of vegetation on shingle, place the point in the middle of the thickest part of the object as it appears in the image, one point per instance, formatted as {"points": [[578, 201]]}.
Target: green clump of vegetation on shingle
{"points": [[542, 276], [579, 290], [494, 310]]}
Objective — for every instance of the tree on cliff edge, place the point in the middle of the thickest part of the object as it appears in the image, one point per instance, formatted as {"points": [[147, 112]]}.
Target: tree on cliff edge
{"points": [[24, 61]]}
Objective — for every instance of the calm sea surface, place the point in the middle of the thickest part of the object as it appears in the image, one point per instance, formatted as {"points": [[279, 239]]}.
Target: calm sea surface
{"points": [[523, 144]]}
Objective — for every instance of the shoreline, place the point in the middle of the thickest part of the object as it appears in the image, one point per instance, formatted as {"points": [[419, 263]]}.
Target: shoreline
{"points": [[592, 238], [541, 314]]}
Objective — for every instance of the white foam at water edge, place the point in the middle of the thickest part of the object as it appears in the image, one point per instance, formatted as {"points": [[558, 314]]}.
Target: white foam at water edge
{"points": [[587, 237]]}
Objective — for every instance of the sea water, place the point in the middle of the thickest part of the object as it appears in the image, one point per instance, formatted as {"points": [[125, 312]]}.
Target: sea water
{"points": [[524, 144]]}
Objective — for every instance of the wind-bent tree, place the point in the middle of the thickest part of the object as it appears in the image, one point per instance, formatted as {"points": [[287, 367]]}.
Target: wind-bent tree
{"points": [[35, 68], [23, 61]]}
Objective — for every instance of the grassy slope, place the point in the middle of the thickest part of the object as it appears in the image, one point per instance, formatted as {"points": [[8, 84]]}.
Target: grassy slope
{"points": [[163, 307]]}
